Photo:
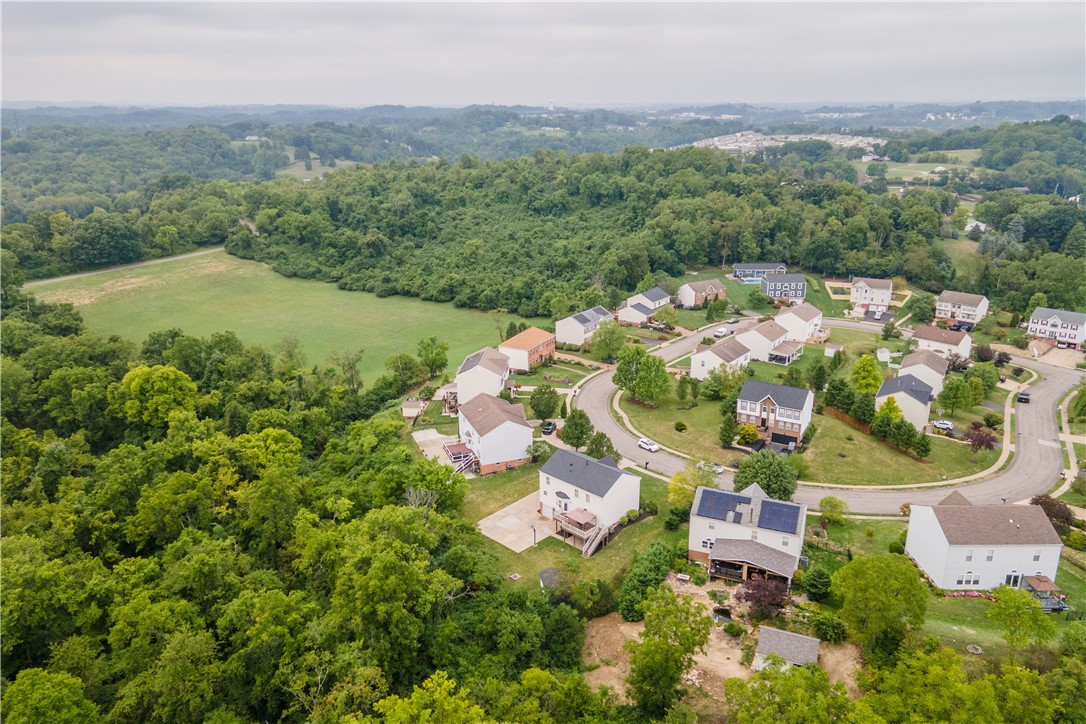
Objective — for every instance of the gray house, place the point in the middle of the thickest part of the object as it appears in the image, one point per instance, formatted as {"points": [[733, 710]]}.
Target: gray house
{"points": [[792, 287]]}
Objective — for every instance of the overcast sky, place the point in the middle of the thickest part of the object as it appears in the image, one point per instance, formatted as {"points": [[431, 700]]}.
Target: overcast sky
{"points": [[577, 54]]}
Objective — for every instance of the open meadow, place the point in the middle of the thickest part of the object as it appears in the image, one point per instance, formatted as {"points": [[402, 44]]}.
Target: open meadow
{"points": [[219, 292]]}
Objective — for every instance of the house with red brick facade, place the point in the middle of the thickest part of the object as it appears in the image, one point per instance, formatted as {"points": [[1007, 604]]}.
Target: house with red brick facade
{"points": [[531, 347], [694, 295], [781, 412]]}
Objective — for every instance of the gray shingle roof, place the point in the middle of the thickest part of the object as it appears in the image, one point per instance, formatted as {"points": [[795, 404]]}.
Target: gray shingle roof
{"points": [[1062, 315], [755, 553], [489, 358], [935, 334], [594, 476], [638, 306], [784, 278], [995, 524], [794, 398], [911, 386], [655, 294], [794, 648], [969, 300], [757, 266], [769, 329], [729, 349], [805, 311], [707, 285], [874, 283], [927, 358]]}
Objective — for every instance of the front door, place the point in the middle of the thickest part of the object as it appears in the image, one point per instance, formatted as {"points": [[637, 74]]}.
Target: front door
{"points": [[1013, 579]]}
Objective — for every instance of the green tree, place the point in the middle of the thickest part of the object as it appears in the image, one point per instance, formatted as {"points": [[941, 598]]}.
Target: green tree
{"points": [[881, 425], [666, 315], [436, 702], [768, 470], [433, 355], [682, 388], [956, 394], [729, 428], [882, 597], [39, 696], [649, 570], [839, 395], [653, 380], [1039, 299], [863, 409], [817, 376], [891, 409], [1074, 244], [902, 434], [544, 401], [865, 377], [833, 510], [782, 693], [921, 445], [676, 628], [931, 686], [183, 680], [577, 429], [599, 446], [1021, 619], [629, 364], [147, 395], [986, 372], [921, 306], [684, 484], [609, 339]]}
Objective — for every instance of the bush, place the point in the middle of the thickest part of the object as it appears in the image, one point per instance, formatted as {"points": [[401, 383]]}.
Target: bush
{"points": [[993, 419], [1079, 483], [766, 598], [680, 426], [896, 546], [735, 629], [648, 571], [828, 627], [427, 392], [1020, 342], [747, 434], [816, 584], [809, 433], [675, 518]]}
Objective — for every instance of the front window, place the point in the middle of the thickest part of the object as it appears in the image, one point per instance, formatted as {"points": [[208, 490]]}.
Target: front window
{"points": [[1037, 554], [990, 556]]}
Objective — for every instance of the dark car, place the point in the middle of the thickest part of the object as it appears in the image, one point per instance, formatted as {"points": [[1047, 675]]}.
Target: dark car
{"points": [[1023, 397], [548, 428]]}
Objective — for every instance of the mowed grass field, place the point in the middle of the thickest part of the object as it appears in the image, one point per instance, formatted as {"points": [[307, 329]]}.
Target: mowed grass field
{"points": [[219, 292]]}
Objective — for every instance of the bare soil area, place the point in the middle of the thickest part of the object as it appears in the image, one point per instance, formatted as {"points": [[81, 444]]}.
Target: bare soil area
{"points": [[841, 662]]}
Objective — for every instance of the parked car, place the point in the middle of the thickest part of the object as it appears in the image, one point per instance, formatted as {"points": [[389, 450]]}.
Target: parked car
{"points": [[945, 425], [648, 444], [548, 428], [714, 467], [733, 320], [1023, 397], [1062, 345], [722, 332]]}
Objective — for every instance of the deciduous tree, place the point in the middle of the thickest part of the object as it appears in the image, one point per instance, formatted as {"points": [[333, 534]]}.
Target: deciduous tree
{"points": [[782, 693], [544, 401], [609, 339], [865, 376], [768, 470], [577, 429], [882, 597]]}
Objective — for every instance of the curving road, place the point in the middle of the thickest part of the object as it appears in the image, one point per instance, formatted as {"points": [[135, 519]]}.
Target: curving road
{"points": [[1037, 463]]}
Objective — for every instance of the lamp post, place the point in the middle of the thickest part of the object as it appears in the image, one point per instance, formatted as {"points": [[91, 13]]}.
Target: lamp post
{"points": [[532, 524]]}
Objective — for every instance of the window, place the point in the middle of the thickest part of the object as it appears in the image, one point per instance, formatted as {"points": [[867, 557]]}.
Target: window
{"points": [[784, 541], [544, 492], [576, 493], [1037, 554], [991, 555], [548, 480], [754, 535], [969, 555], [707, 544], [712, 527], [587, 498]]}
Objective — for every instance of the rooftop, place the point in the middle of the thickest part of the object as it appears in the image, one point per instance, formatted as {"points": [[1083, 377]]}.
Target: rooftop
{"points": [[656, 294], [965, 524], [486, 413], [784, 278], [705, 286], [793, 398], [529, 339], [768, 329], [581, 471], [487, 358], [760, 265], [969, 300], [935, 334], [729, 349], [794, 648], [595, 315], [754, 553], [911, 386], [805, 311], [751, 507], [927, 358], [1062, 315], [874, 283]]}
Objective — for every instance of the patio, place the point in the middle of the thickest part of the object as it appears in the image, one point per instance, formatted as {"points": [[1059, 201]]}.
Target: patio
{"points": [[518, 526]]}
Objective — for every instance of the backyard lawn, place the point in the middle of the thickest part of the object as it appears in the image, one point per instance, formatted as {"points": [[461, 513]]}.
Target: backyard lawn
{"points": [[842, 455], [433, 418], [702, 422], [854, 342], [557, 375]]}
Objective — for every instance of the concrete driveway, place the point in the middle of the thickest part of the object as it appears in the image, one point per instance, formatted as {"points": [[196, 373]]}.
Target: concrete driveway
{"points": [[512, 526], [431, 443]]}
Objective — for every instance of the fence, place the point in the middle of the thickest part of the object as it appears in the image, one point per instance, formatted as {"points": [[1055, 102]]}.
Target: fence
{"points": [[847, 419]]}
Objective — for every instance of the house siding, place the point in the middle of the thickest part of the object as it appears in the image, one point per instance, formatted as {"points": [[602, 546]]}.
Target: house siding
{"points": [[478, 381], [785, 421], [870, 299], [924, 374], [964, 312], [798, 330], [704, 362], [624, 496], [1053, 328], [704, 529], [758, 345], [912, 409], [506, 446]]}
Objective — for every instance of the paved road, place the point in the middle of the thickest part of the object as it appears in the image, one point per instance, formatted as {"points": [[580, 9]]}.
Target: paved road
{"points": [[1037, 463], [149, 262]]}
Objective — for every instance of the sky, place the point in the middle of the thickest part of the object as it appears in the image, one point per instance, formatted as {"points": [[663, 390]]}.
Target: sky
{"points": [[575, 54]]}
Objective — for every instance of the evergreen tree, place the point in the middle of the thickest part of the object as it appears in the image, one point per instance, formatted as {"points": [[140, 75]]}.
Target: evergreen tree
{"points": [[863, 409]]}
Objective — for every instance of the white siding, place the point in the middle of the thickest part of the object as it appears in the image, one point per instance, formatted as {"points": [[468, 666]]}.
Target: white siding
{"points": [[924, 374], [518, 358], [912, 409], [926, 543], [505, 443], [570, 331], [964, 348], [704, 362], [798, 330], [624, 496], [478, 381], [686, 295], [874, 300], [704, 529], [1054, 329], [758, 345], [631, 315]]}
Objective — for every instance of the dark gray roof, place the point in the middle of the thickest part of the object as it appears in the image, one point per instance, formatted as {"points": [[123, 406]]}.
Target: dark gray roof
{"points": [[995, 524], [719, 503], [641, 308], [594, 476], [1063, 315], [784, 278], [794, 648], [751, 508], [758, 265], [911, 386], [595, 315], [794, 398], [779, 516], [655, 294], [755, 553]]}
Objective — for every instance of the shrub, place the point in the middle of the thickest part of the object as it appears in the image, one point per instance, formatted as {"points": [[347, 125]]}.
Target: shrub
{"points": [[648, 571], [699, 577], [1020, 342], [680, 426], [766, 598], [427, 392], [735, 629], [809, 433], [675, 518], [747, 434], [709, 341], [896, 546], [1017, 371], [1079, 483], [1076, 540], [993, 419], [816, 584], [828, 627]]}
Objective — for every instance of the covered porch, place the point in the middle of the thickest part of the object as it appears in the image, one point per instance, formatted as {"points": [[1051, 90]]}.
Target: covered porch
{"points": [[1045, 590], [742, 560], [785, 353]]}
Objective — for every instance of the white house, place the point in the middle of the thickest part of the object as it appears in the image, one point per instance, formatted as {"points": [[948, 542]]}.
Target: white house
{"points": [[801, 322], [912, 395], [756, 271], [578, 328], [729, 352], [746, 534], [943, 341], [636, 313], [962, 546], [767, 342], [791, 287], [652, 298], [796, 649], [482, 373], [783, 412], [695, 294], [529, 348], [926, 366], [1058, 324], [586, 497], [871, 295], [496, 432], [961, 306]]}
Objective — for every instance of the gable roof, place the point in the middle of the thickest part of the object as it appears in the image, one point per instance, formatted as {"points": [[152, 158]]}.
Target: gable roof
{"points": [[759, 265], [488, 358], [926, 358], [751, 508], [874, 283], [655, 294], [708, 285], [768, 329], [528, 339], [793, 398], [911, 386], [581, 471], [969, 300], [758, 554], [595, 315], [935, 334], [729, 349], [639, 307], [1062, 315], [486, 413], [792, 647], [955, 498], [784, 278], [995, 524], [805, 311]]}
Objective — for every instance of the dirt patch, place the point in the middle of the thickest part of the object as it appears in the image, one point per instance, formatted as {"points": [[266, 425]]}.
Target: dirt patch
{"points": [[90, 295], [841, 662]]}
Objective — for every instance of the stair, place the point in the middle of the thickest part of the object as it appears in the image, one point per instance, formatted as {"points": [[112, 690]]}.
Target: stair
{"points": [[465, 464], [593, 542]]}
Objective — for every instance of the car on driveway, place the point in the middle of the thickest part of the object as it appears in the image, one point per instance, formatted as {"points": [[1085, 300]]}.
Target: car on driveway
{"points": [[647, 444], [548, 428], [1062, 345], [945, 425], [711, 466]]}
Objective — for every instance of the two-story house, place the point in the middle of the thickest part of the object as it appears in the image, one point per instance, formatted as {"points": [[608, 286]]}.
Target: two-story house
{"points": [[871, 295], [927, 366], [789, 287], [578, 328], [483, 372], [912, 395], [754, 272], [961, 306], [639, 308], [768, 342], [531, 347], [782, 412], [943, 341], [746, 534], [497, 433], [801, 322], [586, 497], [1059, 325], [962, 546], [728, 352], [694, 295]]}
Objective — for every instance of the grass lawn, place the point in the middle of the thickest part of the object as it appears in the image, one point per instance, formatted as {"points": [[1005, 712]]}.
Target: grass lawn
{"points": [[854, 534], [1009, 334], [819, 296], [219, 292], [442, 423], [556, 375], [610, 563], [490, 493], [963, 252], [1073, 498], [703, 425], [962, 419], [833, 458], [854, 342], [297, 169]]}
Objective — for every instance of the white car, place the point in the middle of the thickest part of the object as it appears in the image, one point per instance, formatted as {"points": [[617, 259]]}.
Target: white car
{"points": [[648, 444], [943, 425], [707, 465], [722, 332], [1062, 345]]}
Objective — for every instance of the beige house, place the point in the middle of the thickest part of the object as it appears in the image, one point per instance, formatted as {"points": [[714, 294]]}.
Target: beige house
{"points": [[768, 342], [926, 366], [943, 341], [912, 396], [695, 294], [871, 295], [961, 306]]}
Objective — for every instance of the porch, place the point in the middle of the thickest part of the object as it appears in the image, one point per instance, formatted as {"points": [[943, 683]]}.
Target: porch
{"points": [[785, 353], [578, 527], [742, 560]]}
